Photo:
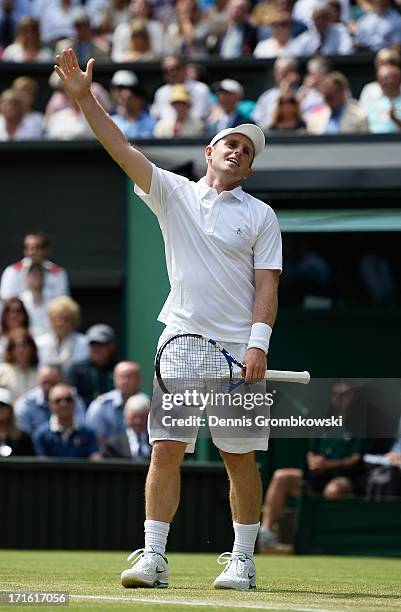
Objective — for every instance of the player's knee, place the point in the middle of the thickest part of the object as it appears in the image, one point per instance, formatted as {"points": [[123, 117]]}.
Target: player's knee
{"points": [[168, 452], [338, 488]]}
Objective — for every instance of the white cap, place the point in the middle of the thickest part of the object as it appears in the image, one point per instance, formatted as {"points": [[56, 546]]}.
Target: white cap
{"points": [[124, 78], [5, 396], [253, 132], [231, 86], [137, 403]]}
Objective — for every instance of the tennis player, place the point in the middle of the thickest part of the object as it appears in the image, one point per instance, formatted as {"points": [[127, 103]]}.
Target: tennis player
{"points": [[223, 253]]}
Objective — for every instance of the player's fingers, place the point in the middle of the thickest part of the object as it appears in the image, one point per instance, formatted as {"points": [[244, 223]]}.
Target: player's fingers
{"points": [[67, 59], [73, 58], [59, 72], [62, 63], [89, 67]]}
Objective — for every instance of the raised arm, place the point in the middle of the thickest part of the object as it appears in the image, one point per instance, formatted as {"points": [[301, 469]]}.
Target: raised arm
{"points": [[77, 84]]}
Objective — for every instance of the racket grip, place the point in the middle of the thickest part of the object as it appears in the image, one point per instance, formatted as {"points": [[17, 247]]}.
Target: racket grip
{"points": [[288, 376]]}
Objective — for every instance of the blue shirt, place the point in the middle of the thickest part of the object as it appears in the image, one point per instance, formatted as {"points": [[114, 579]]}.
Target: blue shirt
{"points": [[142, 127], [78, 442], [378, 114], [333, 124], [105, 414], [379, 31]]}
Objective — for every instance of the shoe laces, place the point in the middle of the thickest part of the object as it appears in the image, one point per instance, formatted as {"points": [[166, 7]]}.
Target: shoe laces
{"points": [[227, 558], [141, 553]]}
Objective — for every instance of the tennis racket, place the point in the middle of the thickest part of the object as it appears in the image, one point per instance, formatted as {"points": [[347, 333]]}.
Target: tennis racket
{"points": [[184, 360]]}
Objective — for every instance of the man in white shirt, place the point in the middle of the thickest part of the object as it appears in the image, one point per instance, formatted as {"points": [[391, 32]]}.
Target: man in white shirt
{"points": [[223, 253], [323, 36], [36, 250]]}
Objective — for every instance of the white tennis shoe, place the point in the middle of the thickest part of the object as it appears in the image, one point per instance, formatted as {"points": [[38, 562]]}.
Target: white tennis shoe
{"points": [[239, 573], [149, 569]]}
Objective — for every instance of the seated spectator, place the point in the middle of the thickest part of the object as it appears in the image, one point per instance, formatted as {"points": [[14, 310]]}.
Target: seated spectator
{"points": [[138, 9], [188, 34], [106, 16], [27, 46], [63, 345], [240, 37], [11, 12], [303, 10], [134, 120], [94, 376], [162, 10], [133, 443], [60, 100], [105, 413], [35, 301], [27, 90], [32, 408], [86, 45], [217, 16], [334, 470], [120, 85], [19, 372], [140, 47], [384, 112], [323, 37], [373, 91], [68, 124], [175, 73], [13, 316], [182, 124], [37, 249], [12, 121], [13, 442], [57, 21], [287, 116], [287, 6], [310, 93], [286, 75], [335, 12], [226, 114], [340, 114], [281, 37], [63, 436], [379, 28]]}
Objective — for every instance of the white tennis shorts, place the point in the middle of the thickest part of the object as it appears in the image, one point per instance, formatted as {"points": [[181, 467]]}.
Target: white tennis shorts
{"points": [[239, 445]]}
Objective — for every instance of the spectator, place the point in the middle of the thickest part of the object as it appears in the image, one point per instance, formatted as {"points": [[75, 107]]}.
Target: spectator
{"points": [[37, 248], [121, 85], [57, 21], [286, 75], [18, 372], [94, 376], [63, 436], [287, 116], [372, 91], [340, 114], [63, 345], [188, 34], [384, 113], [240, 37], [14, 315], [11, 12], [105, 413], [380, 28], [34, 300], [32, 408], [133, 443], [217, 16], [175, 73], [68, 124], [303, 10], [323, 37], [12, 441], [287, 6], [138, 9], [182, 124], [27, 46], [140, 47], [106, 15], [226, 114], [134, 120], [310, 93], [12, 122], [86, 45], [335, 13], [334, 469], [27, 90], [281, 37]]}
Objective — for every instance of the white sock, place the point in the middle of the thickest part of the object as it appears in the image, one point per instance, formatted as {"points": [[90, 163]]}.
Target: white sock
{"points": [[245, 537], [156, 534]]}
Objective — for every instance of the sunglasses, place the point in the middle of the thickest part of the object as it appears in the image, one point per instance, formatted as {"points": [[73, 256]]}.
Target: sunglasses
{"points": [[280, 24], [66, 398], [14, 310], [20, 345]]}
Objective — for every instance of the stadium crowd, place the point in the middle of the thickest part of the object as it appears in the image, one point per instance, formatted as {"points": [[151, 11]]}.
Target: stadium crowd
{"points": [[120, 31], [62, 393]]}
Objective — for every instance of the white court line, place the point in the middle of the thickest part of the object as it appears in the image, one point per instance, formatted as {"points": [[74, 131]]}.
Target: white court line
{"points": [[192, 602]]}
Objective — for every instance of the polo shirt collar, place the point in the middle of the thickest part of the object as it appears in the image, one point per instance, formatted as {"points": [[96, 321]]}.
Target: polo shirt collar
{"points": [[205, 190], [55, 426]]}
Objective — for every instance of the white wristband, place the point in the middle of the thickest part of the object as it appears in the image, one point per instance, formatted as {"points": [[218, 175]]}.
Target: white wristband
{"points": [[260, 336]]}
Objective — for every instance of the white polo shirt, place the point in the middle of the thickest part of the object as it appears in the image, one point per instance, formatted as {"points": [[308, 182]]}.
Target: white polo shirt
{"points": [[213, 243]]}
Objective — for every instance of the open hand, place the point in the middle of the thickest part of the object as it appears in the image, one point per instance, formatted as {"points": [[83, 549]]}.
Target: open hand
{"points": [[76, 82]]}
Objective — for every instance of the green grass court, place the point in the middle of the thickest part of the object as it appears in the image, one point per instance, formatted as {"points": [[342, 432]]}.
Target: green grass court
{"points": [[285, 583]]}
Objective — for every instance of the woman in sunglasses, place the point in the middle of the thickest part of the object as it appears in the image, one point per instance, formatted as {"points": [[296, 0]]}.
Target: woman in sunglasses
{"points": [[287, 115], [14, 315], [18, 372]]}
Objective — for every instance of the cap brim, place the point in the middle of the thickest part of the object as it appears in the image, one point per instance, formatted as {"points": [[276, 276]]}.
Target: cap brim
{"points": [[251, 131]]}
